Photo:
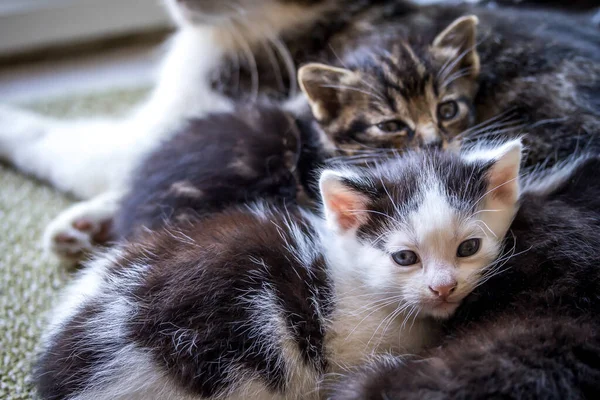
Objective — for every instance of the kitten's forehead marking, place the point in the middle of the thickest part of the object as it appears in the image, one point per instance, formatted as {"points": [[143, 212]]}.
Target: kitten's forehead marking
{"points": [[433, 221]]}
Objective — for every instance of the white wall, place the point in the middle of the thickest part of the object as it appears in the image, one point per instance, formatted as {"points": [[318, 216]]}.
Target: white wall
{"points": [[26, 24]]}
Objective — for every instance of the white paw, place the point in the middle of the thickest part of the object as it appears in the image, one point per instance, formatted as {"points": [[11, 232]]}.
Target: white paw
{"points": [[78, 231], [73, 240]]}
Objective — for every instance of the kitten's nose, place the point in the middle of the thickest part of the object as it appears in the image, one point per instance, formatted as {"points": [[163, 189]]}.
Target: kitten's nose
{"points": [[443, 291]]}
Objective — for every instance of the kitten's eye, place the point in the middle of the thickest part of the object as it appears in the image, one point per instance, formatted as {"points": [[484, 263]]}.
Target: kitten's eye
{"points": [[468, 248], [448, 110], [393, 126], [405, 258]]}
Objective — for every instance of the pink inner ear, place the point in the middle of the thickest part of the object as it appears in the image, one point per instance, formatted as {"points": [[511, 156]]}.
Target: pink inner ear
{"points": [[503, 184], [349, 209]]}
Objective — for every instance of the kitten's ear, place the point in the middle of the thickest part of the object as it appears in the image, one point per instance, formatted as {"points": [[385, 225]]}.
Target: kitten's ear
{"points": [[321, 83], [503, 175], [345, 206], [460, 39]]}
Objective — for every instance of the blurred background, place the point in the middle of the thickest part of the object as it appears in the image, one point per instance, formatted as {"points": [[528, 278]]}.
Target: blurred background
{"points": [[50, 48]]}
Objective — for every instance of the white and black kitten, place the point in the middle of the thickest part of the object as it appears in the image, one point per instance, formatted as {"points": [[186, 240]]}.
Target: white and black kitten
{"points": [[265, 302], [532, 329]]}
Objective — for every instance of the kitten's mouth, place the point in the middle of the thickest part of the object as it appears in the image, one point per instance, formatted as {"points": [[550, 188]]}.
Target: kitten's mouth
{"points": [[441, 309]]}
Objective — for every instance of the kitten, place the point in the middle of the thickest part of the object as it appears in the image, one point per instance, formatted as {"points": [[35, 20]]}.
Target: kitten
{"points": [[413, 89], [531, 330], [404, 93], [265, 302]]}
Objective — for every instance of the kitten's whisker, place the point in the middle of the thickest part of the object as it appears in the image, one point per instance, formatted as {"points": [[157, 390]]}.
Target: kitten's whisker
{"points": [[376, 304], [369, 150], [448, 67], [481, 211], [495, 188], [249, 55], [377, 239], [386, 322], [376, 213], [274, 63], [459, 74], [487, 227], [395, 205], [415, 317], [502, 118], [365, 318], [496, 132], [495, 268], [367, 84], [289, 64], [412, 310]]}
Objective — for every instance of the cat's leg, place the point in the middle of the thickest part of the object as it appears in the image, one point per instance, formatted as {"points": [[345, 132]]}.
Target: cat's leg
{"points": [[79, 229], [91, 156], [94, 158]]}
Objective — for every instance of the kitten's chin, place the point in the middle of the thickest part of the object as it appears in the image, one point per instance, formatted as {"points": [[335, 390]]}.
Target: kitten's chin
{"points": [[439, 310]]}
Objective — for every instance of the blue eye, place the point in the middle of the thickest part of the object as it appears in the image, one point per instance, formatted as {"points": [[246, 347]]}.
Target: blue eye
{"points": [[468, 248], [405, 258]]}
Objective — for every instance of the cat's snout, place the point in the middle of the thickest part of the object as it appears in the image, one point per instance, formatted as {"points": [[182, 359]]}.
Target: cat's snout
{"points": [[443, 291]]}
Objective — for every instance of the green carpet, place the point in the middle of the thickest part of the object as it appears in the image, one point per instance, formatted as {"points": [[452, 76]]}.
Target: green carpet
{"points": [[29, 279]]}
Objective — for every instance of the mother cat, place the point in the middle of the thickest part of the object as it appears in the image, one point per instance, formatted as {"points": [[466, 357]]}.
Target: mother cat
{"points": [[537, 68]]}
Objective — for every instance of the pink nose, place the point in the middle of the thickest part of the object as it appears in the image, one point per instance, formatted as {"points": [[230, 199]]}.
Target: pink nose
{"points": [[443, 291]]}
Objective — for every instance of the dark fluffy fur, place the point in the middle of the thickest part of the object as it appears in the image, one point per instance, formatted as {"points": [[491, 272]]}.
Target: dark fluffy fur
{"points": [[213, 163], [210, 272], [530, 332]]}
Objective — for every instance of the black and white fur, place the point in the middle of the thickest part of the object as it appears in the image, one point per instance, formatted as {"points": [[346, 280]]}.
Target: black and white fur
{"points": [[531, 330], [266, 302]]}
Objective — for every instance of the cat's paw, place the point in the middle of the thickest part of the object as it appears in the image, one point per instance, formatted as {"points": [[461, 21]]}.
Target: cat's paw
{"points": [[72, 240], [80, 230]]}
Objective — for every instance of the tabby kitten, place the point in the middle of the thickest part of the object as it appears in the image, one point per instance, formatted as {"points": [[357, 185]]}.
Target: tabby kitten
{"points": [[264, 302], [462, 86], [533, 72], [401, 95], [531, 329]]}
